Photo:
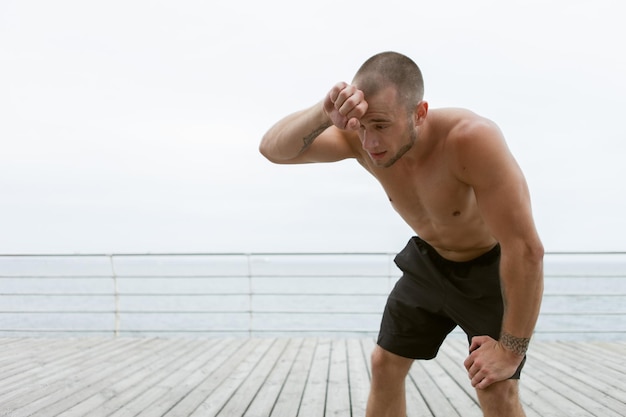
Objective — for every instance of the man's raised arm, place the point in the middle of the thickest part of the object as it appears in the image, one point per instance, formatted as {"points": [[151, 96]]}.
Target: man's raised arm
{"points": [[319, 133]]}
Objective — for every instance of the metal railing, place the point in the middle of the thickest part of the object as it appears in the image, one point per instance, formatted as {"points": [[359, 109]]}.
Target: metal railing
{"points": [[267, 294]]}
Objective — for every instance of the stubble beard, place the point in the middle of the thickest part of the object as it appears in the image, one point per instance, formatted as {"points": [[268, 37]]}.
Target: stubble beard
{"points": [[405, 148]]}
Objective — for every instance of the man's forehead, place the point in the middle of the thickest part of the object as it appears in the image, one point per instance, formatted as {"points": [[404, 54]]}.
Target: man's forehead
{"points": [[377, 116], [373, 86], [382, 105]]}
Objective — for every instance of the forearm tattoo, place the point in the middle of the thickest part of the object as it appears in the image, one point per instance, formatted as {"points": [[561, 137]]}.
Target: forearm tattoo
{"points": [[308, 139], [517, 345]]}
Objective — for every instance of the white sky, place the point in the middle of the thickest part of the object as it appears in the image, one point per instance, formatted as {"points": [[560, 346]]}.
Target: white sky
{"points": [[133, 126]]}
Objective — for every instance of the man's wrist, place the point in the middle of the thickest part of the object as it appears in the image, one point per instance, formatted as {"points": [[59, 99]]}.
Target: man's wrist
{"points": [[517, 345], [324, 116]]}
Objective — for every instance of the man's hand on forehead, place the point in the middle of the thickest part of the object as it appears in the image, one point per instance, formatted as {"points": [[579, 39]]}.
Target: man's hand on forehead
{"points": [[345, 105]]}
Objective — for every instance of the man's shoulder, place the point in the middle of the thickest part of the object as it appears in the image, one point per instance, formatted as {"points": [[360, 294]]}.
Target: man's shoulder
{"points": [[462, 128], [468, 138], [460, 123]]}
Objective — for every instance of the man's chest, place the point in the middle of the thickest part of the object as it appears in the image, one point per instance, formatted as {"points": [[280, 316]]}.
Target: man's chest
{"points": [[434, 197]]}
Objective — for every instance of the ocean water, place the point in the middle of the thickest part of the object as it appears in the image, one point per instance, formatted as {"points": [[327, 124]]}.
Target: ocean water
{"points": [[267, 294]]}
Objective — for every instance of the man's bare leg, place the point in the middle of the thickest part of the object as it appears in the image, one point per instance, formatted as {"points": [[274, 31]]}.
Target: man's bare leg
{"points": [[501, 399], [387, 394]]}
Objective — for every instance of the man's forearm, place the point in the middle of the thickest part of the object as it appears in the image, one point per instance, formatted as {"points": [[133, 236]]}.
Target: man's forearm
{"points": [[522, 288], [294, 134]]}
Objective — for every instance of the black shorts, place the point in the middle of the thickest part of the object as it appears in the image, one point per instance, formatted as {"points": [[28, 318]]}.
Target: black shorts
{"points": [[434, 295]]}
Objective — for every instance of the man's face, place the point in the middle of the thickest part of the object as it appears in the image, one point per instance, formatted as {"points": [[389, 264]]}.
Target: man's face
{"points": [[387, 130]]}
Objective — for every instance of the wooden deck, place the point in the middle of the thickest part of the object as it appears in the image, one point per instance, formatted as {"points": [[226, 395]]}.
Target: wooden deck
{"points": [[282, 377]]}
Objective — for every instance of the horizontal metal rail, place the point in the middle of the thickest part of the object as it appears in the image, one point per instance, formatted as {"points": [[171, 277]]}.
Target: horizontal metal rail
{"points": [[23, 304], [152, 254]]}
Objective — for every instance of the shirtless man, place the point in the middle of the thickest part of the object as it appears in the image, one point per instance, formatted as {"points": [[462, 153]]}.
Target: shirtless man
{"points": [[477, 262]]}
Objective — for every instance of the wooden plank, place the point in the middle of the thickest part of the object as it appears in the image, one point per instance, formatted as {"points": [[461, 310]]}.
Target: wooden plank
{"points": [[227, 363], [212, 404], [142, 395], [5, 341], [313, 401], [16, 373], [284, 377], [175, 386], [539, 395], [358, 377], [89, 374], [436, 400], [583, 388], [245, 394], [588, 368], [580, 367], [338, 396], [572, 394], [290, 397], [88, 378], [610, 353], [59, 381], [103, 390], [415, 404], [16, 353], [368, 348], [122, 392], [27, 375], [535, 394], [264, 401], [178, 395], [619, 350]]}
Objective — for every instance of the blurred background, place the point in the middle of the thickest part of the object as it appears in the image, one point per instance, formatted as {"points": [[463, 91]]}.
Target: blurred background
{"points": [[133, 126]]}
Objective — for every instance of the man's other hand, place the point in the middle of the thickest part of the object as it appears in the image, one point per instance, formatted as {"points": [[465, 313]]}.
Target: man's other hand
{"points": [[490, 362]]}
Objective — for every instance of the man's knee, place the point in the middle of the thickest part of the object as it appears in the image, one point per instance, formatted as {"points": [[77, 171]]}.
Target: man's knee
{"points": [[504, 389], [501, 398], [387, 365]]}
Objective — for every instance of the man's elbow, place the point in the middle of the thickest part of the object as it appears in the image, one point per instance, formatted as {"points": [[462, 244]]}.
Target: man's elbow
{"points": [[535, 251], [533, 257], [266, 149], [274, 152], [530, 250]]}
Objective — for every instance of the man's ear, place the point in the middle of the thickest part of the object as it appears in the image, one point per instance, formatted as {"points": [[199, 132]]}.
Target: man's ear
{"points": [[420, 112]]}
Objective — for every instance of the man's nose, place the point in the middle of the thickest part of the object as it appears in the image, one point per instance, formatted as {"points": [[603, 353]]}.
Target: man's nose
{"points": [[368, 140]]}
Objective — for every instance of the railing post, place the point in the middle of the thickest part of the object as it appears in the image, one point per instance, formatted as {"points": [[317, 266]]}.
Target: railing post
{"points": [[250, 315], [116, 296]]}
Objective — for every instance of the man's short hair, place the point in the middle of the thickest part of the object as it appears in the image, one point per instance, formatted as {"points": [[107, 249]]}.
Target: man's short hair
{"points": [[391, 68]]}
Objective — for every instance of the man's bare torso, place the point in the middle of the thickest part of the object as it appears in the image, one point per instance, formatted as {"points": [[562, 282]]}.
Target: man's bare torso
{"points": [[438, 206]]}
